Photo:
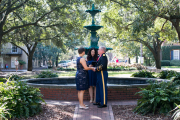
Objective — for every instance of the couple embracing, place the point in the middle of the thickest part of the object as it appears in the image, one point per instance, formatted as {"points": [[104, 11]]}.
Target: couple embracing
{"points": [[98, 77]]}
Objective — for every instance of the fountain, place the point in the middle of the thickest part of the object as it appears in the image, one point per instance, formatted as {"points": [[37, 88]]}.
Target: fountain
{"points": [[93, 28], [64, 88]]}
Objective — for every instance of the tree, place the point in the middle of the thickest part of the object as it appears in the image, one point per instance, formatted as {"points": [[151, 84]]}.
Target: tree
{"points": [[47, 53], [34, 21], [141, 21]]}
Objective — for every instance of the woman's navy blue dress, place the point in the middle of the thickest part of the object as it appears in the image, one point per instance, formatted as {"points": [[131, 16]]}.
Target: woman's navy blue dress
{"points": [[82, 82], [92, 75]]}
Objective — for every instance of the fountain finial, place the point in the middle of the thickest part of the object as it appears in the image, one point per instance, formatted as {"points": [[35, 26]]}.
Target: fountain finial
{"points": [[93, 6]]}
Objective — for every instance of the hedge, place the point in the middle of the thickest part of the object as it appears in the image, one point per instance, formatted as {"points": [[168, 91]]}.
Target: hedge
{"points": [[175, 63], [165, 62]]}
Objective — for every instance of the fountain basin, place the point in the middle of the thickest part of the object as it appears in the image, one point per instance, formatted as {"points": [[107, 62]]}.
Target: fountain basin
{"points": [[93, 27], [64, 88]]}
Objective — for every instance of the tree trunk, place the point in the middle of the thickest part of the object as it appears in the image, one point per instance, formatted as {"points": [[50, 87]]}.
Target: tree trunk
{"points": [[129, 61], [57, 61], [157, 58], [158, 62], [176, 26], [0, 44], [156, 52], [30, 57]]}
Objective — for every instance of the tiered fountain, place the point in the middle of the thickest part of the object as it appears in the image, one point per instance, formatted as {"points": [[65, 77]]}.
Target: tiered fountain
{"points": [[93, 28]]}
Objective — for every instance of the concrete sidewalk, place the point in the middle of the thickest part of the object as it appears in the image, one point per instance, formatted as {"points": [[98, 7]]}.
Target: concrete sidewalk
{"points": [[93, 113]]}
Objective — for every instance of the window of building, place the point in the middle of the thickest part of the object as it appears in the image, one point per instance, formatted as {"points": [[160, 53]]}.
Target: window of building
{"points": [[176, 54], [14, 49]]}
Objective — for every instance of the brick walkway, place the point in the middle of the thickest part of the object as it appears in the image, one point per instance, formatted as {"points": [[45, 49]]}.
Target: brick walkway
{"points": [[93, 113]]}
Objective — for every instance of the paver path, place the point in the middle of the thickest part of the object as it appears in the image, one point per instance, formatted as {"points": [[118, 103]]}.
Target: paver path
{"points": [[93, 113]]}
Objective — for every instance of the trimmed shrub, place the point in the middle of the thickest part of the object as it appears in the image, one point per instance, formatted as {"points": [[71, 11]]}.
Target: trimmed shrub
{"points": [[167, 74], [158, 97], [21, 100], [65, 69], [165, 62], [14, 77], [47, 74], [175, 62], [143, 73]]}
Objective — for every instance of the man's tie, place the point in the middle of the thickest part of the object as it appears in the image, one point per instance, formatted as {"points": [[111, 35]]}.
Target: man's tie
{"points": [[98, 57]]}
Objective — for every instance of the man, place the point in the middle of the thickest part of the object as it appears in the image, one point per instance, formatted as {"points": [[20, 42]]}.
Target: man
{"points": [[102, 75], [16, 63]]}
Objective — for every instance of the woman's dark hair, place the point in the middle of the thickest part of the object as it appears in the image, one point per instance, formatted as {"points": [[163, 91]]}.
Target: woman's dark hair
{"points": [[81, 50], [89, 56]]}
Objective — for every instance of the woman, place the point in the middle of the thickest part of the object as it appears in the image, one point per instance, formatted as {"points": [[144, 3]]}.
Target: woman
{"points": [[82, 82], [92, 56]]}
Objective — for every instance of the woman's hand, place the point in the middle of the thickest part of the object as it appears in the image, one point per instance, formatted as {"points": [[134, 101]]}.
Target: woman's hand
{"points": [[94, 69], [90, 65]]}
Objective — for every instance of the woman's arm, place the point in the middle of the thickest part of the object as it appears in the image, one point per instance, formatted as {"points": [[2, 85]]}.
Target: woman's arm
{"points": [[83, 62]]}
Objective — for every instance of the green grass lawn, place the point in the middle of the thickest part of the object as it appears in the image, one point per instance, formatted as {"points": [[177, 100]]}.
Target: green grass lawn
{"points": [[170, 66], [67, 73]]}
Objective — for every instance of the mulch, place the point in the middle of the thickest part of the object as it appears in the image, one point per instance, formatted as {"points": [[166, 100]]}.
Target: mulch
{"points": [[125, 112], [54, 112]]}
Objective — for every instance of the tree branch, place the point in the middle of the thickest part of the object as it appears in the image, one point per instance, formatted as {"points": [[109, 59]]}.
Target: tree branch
{"points": [[49, 12], [35, 23], [19, 47], [14, 8], [8, 7]]}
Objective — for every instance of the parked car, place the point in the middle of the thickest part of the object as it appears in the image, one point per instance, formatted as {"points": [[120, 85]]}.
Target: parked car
{"points": [[73, 61], [69, 62], [64, 63]]}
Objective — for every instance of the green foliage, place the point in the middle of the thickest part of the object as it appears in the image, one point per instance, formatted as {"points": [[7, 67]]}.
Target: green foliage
{"points": [[143, 73], [4, 112], [120, 68], [176, 114], [175, 62], [166, 51], [15, 77], [167, 74], [3, 79], [65, 69], [21, 62], [21, 100], [158, 97], [165, 62], [47, 74]]}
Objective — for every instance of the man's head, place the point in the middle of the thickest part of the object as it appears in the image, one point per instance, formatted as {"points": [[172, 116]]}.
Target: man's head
{"points": [[101, 50]]}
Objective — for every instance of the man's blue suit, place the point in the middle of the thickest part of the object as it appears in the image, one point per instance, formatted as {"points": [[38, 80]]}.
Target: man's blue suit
{"points": [[102, 75]]}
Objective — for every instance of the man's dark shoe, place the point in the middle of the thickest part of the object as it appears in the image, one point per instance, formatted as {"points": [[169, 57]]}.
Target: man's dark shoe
{"points": [[101, 106], [96, 103]]}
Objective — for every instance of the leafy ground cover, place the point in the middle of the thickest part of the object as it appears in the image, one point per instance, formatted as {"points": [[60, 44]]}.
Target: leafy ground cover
{"points": [[125, 112], [53, 112]]}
